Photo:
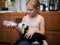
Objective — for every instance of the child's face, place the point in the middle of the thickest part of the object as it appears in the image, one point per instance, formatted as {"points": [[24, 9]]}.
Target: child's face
{"points": [[31, 10]]}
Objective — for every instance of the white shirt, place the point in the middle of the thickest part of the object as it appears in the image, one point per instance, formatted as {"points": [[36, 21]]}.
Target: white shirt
{"points": [[33, 23]]}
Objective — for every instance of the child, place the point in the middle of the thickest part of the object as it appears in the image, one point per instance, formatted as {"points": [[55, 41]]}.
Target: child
{"points": [[35, 22]]}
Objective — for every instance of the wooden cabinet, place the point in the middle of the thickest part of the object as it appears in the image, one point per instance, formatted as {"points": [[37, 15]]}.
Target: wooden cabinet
{"points": [[52, 26], [9, 35], [52, 20], [53, 37]]}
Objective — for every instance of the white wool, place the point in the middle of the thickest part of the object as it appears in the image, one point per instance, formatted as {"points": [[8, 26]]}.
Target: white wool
{"points": [[21, 26]]}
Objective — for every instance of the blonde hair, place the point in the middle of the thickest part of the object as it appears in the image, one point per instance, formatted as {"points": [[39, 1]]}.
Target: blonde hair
{"points": [[35, 3]]}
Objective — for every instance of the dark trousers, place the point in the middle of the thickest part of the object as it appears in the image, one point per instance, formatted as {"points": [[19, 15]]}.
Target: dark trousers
{"points": [[25, 43], [35, 37]]}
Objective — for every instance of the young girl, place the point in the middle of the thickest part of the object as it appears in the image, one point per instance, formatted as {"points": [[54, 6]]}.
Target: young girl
{"points": [[34, 21]]}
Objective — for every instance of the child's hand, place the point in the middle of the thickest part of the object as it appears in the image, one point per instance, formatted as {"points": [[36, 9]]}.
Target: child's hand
{"points": [[29, 33]]}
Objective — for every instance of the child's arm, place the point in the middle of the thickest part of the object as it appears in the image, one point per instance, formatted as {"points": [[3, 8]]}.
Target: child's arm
{"points": [[42, 27], [11, 24]]}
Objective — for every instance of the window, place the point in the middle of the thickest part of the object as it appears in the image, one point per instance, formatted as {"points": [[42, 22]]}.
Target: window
{"points": [[20, 5]]}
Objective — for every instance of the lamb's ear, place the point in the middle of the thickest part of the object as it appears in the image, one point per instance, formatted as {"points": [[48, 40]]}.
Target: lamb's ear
{"points": [[23, 24]]}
